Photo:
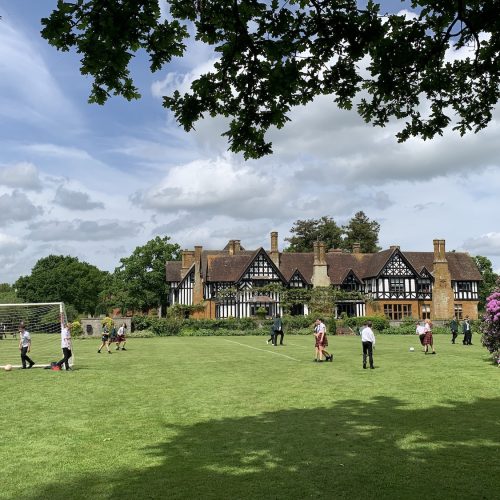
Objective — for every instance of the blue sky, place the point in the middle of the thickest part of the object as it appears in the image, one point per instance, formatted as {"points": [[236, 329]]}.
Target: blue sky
{"points": [[96, 181]]}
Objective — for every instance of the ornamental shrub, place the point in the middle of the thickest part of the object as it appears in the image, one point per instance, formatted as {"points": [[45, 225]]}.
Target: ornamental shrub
{"points": [[76, 329], [490, 326], [379, 323], [108, 322]]}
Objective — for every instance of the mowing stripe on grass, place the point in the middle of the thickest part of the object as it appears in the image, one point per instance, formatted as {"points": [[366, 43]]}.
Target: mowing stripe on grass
{"points": [[263, 350], [301, 346]]}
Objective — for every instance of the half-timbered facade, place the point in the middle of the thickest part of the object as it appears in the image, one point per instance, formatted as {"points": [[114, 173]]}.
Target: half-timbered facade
{"points": [[235, 282]]}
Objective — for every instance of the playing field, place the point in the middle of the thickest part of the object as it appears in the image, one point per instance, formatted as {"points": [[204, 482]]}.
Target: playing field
{"points": [[233, 418]]}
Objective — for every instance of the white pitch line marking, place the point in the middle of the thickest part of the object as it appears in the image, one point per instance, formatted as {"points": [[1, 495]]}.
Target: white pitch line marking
{"points": [[263, 350]]}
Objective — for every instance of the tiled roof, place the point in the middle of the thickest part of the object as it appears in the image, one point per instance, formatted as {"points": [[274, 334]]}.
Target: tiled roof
{"points": [[220, 266], [225, 267], [173, 270], [461, 265], [291, 261]]}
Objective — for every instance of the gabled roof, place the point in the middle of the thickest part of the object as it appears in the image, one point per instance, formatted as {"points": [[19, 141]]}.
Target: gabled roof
{"points": [[461, 265], [221, 266], [339, 264], [225, 267], [348, 272], [377, 262], [293, 261], [268, 258], [173, 271]]}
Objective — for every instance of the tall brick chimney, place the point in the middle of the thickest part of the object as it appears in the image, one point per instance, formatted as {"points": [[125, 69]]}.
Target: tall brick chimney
{"points": [[442, 292], [187, 259], [275, 254], [198, 284], [320, 269], [237, 246], [356, 247]]}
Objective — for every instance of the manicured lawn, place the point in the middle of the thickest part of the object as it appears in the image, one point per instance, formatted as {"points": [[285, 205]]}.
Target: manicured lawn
{"points": [[230, 417]]}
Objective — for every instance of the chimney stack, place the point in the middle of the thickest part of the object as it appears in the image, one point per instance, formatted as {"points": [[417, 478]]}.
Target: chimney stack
{"points": [[356, 247], [198, 283], [439, 250], [237, 246], [315, 253], [275, 255], [321, 252], [442, 292], [187, 259], [320, 276]]}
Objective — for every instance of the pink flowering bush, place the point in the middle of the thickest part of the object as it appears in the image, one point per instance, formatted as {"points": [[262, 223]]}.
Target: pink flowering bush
{"points": [[490, 326]]}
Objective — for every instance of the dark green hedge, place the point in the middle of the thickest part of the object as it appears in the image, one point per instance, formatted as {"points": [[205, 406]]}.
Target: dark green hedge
{"points": [[165, 327], [379, 323]]}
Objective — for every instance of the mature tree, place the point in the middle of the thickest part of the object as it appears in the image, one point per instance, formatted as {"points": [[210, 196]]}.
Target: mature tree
{"points": [[490, 278], [139, 282], [362, 230], [277, 54], [8, 294], [63, 278], [306, 232]]}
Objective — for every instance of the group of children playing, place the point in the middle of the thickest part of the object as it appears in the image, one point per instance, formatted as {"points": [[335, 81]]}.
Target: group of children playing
{"points": [[108, 338]]}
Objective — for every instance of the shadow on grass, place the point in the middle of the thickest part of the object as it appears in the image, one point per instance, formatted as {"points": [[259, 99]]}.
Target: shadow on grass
{"points": [[379, 449]]}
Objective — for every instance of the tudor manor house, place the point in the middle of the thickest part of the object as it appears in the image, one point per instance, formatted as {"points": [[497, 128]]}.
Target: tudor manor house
{"points": [[435, 285]]}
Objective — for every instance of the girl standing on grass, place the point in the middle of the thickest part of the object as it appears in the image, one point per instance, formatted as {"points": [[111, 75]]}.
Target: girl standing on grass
{"points": [[428, 340], [321, 342]]}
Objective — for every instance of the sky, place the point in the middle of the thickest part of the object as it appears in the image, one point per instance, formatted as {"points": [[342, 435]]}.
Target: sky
{"points": [[95, 181]]}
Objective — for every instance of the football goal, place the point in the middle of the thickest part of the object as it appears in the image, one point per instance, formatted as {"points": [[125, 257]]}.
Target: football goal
{"points": [[42, 321]]}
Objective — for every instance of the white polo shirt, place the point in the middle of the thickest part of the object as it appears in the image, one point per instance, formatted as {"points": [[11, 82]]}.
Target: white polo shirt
{"points": [[65, 338]]}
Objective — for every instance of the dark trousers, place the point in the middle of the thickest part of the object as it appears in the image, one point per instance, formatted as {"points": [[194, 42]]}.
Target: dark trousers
{"points": [[277, 333], [367, 349], [468, 338], [65, 360], [453, 336], [25, 357]]}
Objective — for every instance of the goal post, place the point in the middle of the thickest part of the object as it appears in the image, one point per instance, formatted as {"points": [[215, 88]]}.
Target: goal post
{"points": [[43, 321]]}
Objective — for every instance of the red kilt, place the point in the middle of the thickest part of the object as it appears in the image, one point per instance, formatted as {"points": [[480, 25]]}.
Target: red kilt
{"points": [[324, 342], [427, 339]]}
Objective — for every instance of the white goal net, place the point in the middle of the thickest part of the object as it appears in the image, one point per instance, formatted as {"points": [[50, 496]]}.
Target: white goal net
{"points": [[42, 321]]}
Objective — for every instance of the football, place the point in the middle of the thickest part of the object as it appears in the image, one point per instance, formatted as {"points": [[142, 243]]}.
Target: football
{"points": [[411, 349], [7, 368]]}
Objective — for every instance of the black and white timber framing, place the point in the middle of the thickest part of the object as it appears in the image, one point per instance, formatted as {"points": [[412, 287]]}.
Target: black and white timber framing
{"points": [[396, 281]]}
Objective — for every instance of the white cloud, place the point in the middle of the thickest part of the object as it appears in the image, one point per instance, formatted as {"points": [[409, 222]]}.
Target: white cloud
{"points": [[215, 187], [75, 200], [82, 230], [57, 151], [181, 81], [17, 207], [28, 91], [21, 175], [485, 244], [10, 245]]}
